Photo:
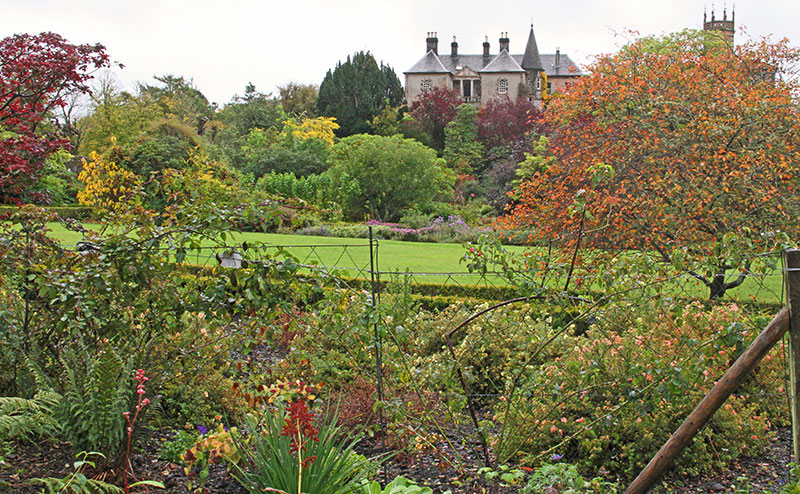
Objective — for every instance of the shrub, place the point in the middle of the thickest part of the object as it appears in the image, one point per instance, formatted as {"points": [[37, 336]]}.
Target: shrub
{"points": [[618, 391]]}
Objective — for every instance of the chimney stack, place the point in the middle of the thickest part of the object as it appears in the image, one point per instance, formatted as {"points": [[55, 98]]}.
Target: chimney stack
{"points": [[454, 48], [433, 43], [504, 41], [486, 47]]}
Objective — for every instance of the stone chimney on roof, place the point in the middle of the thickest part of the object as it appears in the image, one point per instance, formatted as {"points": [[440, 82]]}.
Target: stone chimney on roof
{"points": [[454, 48], [432, 43], [504, 41], [486, 47]]}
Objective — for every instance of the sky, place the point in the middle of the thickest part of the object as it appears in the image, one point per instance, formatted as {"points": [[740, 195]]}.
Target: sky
{"points": [[223, 45]]}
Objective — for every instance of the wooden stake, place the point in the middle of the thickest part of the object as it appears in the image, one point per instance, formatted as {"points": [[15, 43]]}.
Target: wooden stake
{"points": [[731, 380], [792, 263]]}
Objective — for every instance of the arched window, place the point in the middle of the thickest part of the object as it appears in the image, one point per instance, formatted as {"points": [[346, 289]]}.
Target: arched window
{"points": [[502, 86]]}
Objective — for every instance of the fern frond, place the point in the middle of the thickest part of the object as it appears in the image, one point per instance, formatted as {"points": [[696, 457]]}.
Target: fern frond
{"points": [[20, 417], [77, 483]]}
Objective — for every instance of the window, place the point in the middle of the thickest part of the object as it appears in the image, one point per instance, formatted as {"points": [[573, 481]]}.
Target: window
{"points": [[549, 88], [426, 84], [538, 83], [502, 86], [457, 86]]}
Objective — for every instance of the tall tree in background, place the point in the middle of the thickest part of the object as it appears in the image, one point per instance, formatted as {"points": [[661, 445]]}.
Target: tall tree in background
{"points": [[299, 100], [37, 73], [355, 91], [681, 146], [433, 110]]}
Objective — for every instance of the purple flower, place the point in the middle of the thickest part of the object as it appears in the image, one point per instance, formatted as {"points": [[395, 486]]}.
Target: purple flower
{"points": [[202, 429], [556, 457]]}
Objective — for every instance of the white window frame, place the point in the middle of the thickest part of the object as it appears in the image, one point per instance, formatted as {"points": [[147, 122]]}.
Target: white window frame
{"points": [[502, 86], [426, 84]]}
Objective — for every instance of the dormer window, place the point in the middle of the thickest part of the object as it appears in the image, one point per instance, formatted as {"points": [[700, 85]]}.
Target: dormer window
{"points": [[502, 86], [426, 84]]}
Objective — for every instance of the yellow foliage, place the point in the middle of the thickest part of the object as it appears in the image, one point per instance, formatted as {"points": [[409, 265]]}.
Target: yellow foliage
{"points": [[107, 186], [308, 128]]}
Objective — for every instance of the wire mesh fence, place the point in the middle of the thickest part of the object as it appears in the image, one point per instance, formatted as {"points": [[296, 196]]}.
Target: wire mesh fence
{"points": [[442, 363]]}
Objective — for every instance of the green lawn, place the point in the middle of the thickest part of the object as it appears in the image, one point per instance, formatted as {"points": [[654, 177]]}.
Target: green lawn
{"points": [[430, 262]]}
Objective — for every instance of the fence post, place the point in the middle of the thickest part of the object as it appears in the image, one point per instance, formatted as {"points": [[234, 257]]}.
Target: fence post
{"points": [[731, 380], [792, 265], [373, 262]]}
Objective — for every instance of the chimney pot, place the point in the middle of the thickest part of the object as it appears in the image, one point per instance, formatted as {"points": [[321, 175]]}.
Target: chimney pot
{"points": [[432, 43], [504, 41]]}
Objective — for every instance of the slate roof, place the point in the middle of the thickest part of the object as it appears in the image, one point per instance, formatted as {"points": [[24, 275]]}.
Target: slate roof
{"points": [[531, 59], [502, 63], [432, 63]]}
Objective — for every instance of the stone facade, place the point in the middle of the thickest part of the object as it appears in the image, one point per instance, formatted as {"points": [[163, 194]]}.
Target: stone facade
{"points": [[480, 78]]}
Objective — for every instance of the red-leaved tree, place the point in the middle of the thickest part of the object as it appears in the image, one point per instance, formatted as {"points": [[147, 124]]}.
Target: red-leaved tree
{"points": [[37, 73], [683, 147], [433, 110], [506, 122]]}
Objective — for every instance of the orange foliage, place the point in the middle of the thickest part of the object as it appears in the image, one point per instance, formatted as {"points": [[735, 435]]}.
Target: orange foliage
{"points": [[703, 142]]}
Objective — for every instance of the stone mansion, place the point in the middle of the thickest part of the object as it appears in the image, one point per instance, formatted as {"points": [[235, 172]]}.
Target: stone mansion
{"points": [[479, 78]]}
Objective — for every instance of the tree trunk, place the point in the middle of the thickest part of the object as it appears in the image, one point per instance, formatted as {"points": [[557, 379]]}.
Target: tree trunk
{"points": [[717, 287]]}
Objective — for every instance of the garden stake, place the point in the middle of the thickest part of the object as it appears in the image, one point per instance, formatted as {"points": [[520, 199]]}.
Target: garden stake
{"points": [[729, 382], [378, 349]]}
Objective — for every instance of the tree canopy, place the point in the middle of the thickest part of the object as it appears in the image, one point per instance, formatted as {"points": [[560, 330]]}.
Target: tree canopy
{"points": [[383, 176], [356, 91], [36, 75], [681, 146]]}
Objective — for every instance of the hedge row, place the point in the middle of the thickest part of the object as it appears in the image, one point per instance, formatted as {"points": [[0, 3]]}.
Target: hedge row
{"points": [[64, 212]]}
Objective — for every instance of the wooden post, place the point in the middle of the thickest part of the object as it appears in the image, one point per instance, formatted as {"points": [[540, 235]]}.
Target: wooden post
{"points": [[792, 264], [731, 380]]}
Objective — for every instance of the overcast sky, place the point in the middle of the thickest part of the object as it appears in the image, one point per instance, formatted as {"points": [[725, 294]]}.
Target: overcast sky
{"points": [[224, 44]]}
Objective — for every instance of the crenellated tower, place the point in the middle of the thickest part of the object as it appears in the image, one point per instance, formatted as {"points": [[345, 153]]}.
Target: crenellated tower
{"points": [[724, 26]]}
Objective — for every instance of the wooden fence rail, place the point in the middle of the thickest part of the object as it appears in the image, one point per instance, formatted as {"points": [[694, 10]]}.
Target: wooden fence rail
{"points": [[788, 319]]}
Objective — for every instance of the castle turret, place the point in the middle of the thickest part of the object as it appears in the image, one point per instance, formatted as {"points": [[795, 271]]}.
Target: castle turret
{"points": [[532, 64]]}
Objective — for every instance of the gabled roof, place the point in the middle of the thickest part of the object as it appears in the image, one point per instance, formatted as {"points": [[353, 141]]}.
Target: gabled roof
{"points": [[503, 63], [531, 60], [430, 63]]}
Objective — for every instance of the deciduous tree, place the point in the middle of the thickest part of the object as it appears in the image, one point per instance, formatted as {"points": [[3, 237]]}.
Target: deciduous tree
{"points": [[433, 110], [684, 147], [382, 176], [36, 75]]}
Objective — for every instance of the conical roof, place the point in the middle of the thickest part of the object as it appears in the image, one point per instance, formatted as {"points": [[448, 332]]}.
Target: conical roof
{"points": [[531, 59]]}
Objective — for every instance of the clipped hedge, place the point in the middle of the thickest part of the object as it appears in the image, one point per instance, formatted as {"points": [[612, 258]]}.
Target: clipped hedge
{"points": [[64, 212]]}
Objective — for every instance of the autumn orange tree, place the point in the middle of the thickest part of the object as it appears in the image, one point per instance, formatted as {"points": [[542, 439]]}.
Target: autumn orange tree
{"points": [[681, 146]]}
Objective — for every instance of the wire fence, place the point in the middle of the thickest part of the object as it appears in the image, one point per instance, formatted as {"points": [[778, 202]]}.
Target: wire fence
{"points": [[534, 377]]}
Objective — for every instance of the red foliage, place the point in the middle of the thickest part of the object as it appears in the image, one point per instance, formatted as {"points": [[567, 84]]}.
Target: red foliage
{"points": [[502, 122], [433, 110], [36, 73]]}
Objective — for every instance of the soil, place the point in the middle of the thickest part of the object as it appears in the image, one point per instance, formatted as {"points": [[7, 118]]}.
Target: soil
{"points": [[767, 472]]}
